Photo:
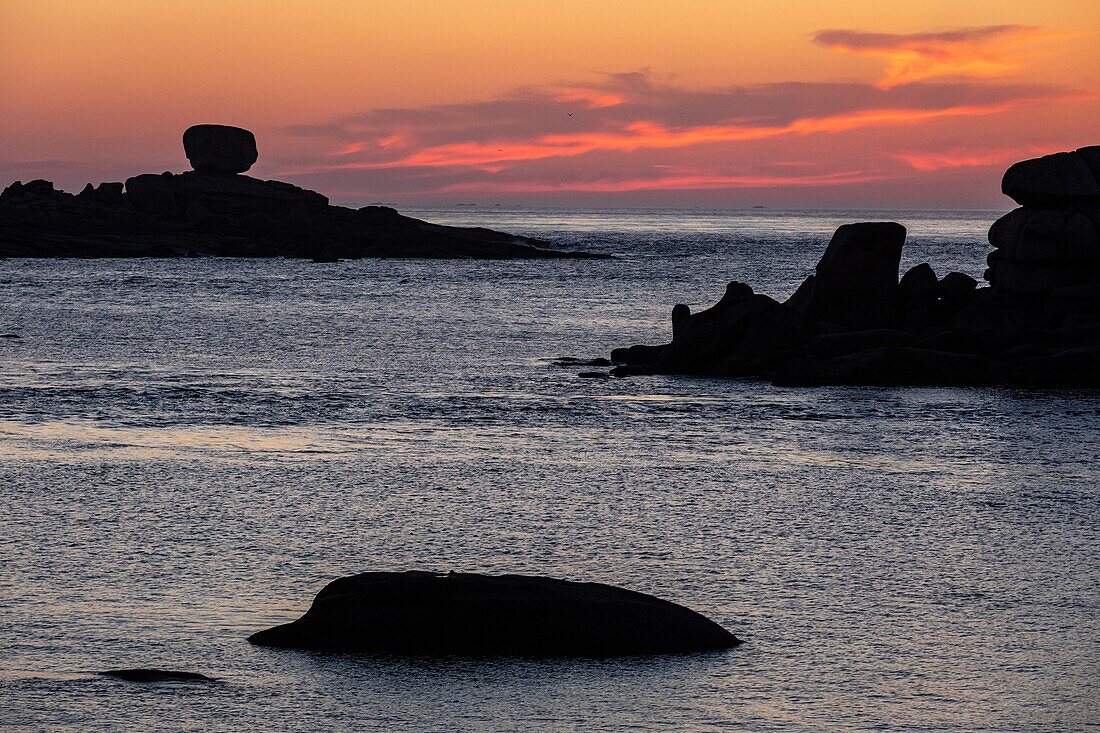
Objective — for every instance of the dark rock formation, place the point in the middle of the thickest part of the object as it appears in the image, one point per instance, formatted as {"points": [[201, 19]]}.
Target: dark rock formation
{"points": [[214, 212], [856, 282], [156, 675], [853, 323], [219, 148], [429, 614]]}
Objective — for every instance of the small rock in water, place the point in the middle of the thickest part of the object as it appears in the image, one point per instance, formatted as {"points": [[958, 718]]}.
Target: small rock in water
{"points": [[156, 675], [594, 375]]}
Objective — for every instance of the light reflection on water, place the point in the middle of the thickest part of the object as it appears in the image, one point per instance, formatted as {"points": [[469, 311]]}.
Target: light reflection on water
{"points": [[192, 449]]}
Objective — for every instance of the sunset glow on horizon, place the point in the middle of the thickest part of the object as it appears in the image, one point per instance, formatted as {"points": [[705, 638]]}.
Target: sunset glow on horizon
{"points": [[617, 103]]}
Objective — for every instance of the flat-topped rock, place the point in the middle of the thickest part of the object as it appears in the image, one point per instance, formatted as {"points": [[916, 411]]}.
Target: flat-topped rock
{"points": [[220, 148], [856, 281], [1058, 178], [430, 614]]}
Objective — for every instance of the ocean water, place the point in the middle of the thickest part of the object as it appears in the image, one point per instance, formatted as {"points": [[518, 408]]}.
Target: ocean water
{"points": [[190, 450]]}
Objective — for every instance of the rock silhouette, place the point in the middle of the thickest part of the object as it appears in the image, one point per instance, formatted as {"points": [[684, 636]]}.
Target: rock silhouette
{"points": [[219, 148], [854, 323], [156, 675], [215, 211], [429, 614]]}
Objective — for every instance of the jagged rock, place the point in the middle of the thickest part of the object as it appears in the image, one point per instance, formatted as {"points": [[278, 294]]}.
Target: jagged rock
{"points": [[219, 148], [1059, 178], [856, 282], [429, 614]]}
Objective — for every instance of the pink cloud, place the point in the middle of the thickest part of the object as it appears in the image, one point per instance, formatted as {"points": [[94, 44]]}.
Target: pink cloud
{"points": [[982, 52]]}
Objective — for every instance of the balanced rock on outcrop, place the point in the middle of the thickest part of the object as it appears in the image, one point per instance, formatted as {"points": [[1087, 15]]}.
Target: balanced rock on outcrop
{"points": [[430, 614], [215, 211], [219, 148]]}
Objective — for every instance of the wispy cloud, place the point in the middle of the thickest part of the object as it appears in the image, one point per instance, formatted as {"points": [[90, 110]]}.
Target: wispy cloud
{"points": [[633, 131], [636, 131], [982, 52], [969, 157]]}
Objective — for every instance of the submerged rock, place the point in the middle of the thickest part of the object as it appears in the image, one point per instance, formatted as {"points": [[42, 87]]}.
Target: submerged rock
{"points": [[156, 675], [421, 613]]}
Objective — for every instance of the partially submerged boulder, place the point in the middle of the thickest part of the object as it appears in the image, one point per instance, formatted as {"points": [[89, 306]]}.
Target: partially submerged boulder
{"points": [[430, 614], [156, 675]]}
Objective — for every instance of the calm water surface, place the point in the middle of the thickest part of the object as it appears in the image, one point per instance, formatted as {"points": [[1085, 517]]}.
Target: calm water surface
{"points": [[192, 449]]}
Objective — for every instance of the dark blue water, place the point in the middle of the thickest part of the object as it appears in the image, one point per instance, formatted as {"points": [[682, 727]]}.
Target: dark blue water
{"points": [[192, 449]]}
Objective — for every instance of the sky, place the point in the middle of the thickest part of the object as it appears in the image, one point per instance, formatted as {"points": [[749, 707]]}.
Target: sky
{"points": [[847, 104]]}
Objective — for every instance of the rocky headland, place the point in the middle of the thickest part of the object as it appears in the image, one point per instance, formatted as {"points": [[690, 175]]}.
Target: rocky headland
{"points": [[215, 210], [468, 614], [853, 322]]}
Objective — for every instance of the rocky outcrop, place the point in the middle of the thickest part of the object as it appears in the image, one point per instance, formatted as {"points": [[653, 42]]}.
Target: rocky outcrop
{"points": [[854, 323], [215, 211], [1047, 252], [429, 614]]}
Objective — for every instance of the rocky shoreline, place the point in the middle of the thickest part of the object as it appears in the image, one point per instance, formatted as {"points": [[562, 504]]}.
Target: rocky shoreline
{"points": [[216, 211], [854, 323]]}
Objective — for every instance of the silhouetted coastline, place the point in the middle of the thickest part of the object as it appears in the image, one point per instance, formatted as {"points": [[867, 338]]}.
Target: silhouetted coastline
{"points": [[216, 211]]}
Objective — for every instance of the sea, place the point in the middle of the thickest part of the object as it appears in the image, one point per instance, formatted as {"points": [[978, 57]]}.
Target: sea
{"points": [[191, 449]]}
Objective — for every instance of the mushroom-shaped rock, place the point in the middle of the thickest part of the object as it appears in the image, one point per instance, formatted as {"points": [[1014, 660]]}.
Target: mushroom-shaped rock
{"points": [[219, 148], [429, 614]]}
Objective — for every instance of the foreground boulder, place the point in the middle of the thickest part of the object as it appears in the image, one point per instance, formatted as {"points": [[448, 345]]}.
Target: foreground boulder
{"points": [[420, 613], [853, 323], [214, 211]]}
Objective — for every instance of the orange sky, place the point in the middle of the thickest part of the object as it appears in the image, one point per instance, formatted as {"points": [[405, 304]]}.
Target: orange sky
{"points": [[561, 102]]}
